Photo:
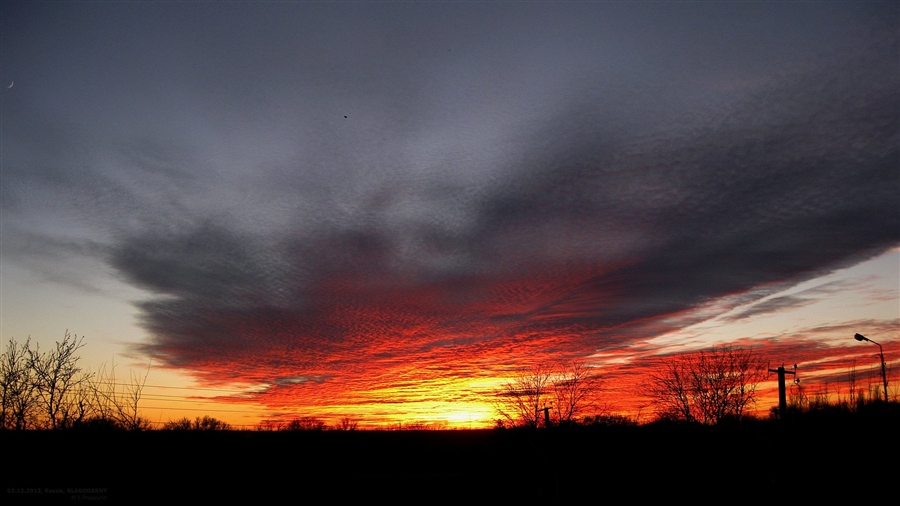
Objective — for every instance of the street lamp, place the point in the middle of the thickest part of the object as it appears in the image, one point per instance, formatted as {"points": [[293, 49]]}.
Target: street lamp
{"points": [[860, 337]]}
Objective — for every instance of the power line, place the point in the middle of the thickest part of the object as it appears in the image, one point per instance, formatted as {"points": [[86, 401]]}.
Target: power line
{"points": [[169, 398], [150, 408], [177, 388]]}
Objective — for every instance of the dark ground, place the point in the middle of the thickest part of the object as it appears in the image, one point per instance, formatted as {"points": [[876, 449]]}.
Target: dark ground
{"points": [[791, 461]]}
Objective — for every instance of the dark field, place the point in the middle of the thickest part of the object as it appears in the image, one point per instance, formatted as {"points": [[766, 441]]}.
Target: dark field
{"points": [[724, 464]]}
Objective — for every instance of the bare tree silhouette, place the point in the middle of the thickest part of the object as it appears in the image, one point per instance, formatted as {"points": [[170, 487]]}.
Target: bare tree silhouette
{"points": [[57, 381], [521, 400], [19, 396], [558, 394], [574, 390], [707, 386], [118, 403], [49, 390], [347, 423]]}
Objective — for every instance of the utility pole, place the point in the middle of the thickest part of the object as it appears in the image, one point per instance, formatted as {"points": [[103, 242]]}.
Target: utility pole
{"points": [[546, 410], [782, 396]]}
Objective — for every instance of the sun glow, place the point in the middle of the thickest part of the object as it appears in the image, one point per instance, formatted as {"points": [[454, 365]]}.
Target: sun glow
{"points": [[471, 417]]}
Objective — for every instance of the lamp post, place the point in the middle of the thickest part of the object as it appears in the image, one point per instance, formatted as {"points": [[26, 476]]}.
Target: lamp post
{"points": [[860, 337]]}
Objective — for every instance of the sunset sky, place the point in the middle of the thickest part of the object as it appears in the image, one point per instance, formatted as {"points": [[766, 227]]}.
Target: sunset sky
{"points": [[384, 210]]}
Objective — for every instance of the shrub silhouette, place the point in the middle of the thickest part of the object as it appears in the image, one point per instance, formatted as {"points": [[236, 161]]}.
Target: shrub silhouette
{"points": [[305, 423], [205, 423]]}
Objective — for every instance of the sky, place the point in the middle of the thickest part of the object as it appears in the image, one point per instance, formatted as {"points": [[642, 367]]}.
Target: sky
{"points": [[386, 209]]}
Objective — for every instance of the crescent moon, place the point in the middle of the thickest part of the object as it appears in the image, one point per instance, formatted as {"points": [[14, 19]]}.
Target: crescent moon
{"points": [[10, 84]]}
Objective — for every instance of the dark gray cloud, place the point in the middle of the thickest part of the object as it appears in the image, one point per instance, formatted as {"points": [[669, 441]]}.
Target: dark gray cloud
{"points": [[316, 177]]}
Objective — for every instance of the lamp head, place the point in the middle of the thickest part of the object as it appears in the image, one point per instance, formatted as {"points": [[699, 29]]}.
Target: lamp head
{"points": [[860, 337]]}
